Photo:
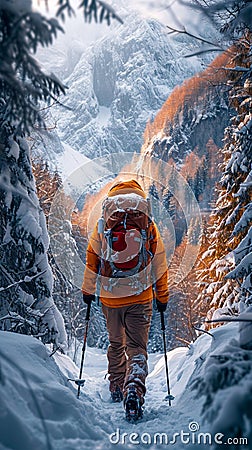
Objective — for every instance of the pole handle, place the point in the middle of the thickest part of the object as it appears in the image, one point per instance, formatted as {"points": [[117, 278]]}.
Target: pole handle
{"points": [[88, 312]]}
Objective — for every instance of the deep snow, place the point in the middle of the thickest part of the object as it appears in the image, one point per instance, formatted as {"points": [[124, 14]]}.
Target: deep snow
{"points": [[40, 410]]}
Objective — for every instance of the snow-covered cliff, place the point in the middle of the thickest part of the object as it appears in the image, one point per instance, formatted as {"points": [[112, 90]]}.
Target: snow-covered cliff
{"points": [[119, 84]]}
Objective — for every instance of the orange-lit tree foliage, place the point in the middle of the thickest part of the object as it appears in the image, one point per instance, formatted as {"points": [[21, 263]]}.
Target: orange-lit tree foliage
{"points": [[66, 297], [221, 293], [191, 91]]}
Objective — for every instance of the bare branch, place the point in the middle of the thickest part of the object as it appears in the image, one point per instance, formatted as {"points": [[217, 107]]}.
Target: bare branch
{"points": [[183, 340], [194, 36], [204, 331]]}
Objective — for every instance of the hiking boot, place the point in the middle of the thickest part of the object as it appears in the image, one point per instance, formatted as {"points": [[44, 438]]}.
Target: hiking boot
{"points": [[117, 395], [133, 405]]}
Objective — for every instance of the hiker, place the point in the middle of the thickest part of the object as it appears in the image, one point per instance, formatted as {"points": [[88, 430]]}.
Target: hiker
{"points": [[126, 257]]}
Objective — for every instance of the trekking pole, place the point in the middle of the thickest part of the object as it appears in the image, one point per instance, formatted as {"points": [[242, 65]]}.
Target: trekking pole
{"points": [[80, 382], [169, 397], [84, 347]]}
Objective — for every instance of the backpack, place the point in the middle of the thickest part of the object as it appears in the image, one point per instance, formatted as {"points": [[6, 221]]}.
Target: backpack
{"points": [[125, 238]]}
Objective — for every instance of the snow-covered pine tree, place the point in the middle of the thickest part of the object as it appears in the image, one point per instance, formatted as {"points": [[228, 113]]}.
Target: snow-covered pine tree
{"points": [[232, 216], [226, 386], [216, 294], [26, 279], [229, 369], [202, 271], [239, 172], [66, 297], [182, 308]]}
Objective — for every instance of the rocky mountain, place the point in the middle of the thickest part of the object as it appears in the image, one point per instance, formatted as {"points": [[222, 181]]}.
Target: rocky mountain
{"points": [[189, 128], [119, 84]]}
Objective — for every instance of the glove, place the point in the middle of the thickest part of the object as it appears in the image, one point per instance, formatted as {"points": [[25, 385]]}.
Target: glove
{"points": [[88, 298], [161, 307]]}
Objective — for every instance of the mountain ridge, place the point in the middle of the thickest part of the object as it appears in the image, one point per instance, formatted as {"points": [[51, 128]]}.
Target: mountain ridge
{"points": [[131, 72], [189, 128]]}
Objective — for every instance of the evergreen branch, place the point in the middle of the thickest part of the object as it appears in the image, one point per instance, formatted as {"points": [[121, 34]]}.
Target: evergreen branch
{"points": [[27, 279], [14, 190], [110, 10], [90, 9], [13, 316], [6, 273]]}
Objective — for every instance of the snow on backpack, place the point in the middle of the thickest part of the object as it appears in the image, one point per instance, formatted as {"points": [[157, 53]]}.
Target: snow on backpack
{"points": [[125, 234]]}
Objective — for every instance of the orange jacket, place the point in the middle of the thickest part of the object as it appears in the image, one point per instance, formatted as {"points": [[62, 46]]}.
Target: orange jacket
{"points": [[120, 295]]}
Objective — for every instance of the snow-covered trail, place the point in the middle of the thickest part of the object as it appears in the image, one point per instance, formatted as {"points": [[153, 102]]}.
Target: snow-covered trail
{"points": [[158, 418], [39, 409]]}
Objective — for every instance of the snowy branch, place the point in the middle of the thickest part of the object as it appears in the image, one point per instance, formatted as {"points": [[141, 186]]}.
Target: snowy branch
{"points": [[26, 279], [236, 319], [14, 190], [13, 316]]}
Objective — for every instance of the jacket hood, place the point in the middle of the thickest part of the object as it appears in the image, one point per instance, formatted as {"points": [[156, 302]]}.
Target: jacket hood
{"points": [[126, 187]]}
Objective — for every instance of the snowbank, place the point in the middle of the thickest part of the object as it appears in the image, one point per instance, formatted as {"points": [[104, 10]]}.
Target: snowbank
{"points": [[39, 408]]}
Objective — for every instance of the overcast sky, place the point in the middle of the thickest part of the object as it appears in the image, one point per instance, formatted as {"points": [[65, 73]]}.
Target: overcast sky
{"points": [[169, 12], [161, 9]]}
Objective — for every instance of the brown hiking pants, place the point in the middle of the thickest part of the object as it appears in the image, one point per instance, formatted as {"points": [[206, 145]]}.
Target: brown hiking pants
{"points": [[128, 329]]}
